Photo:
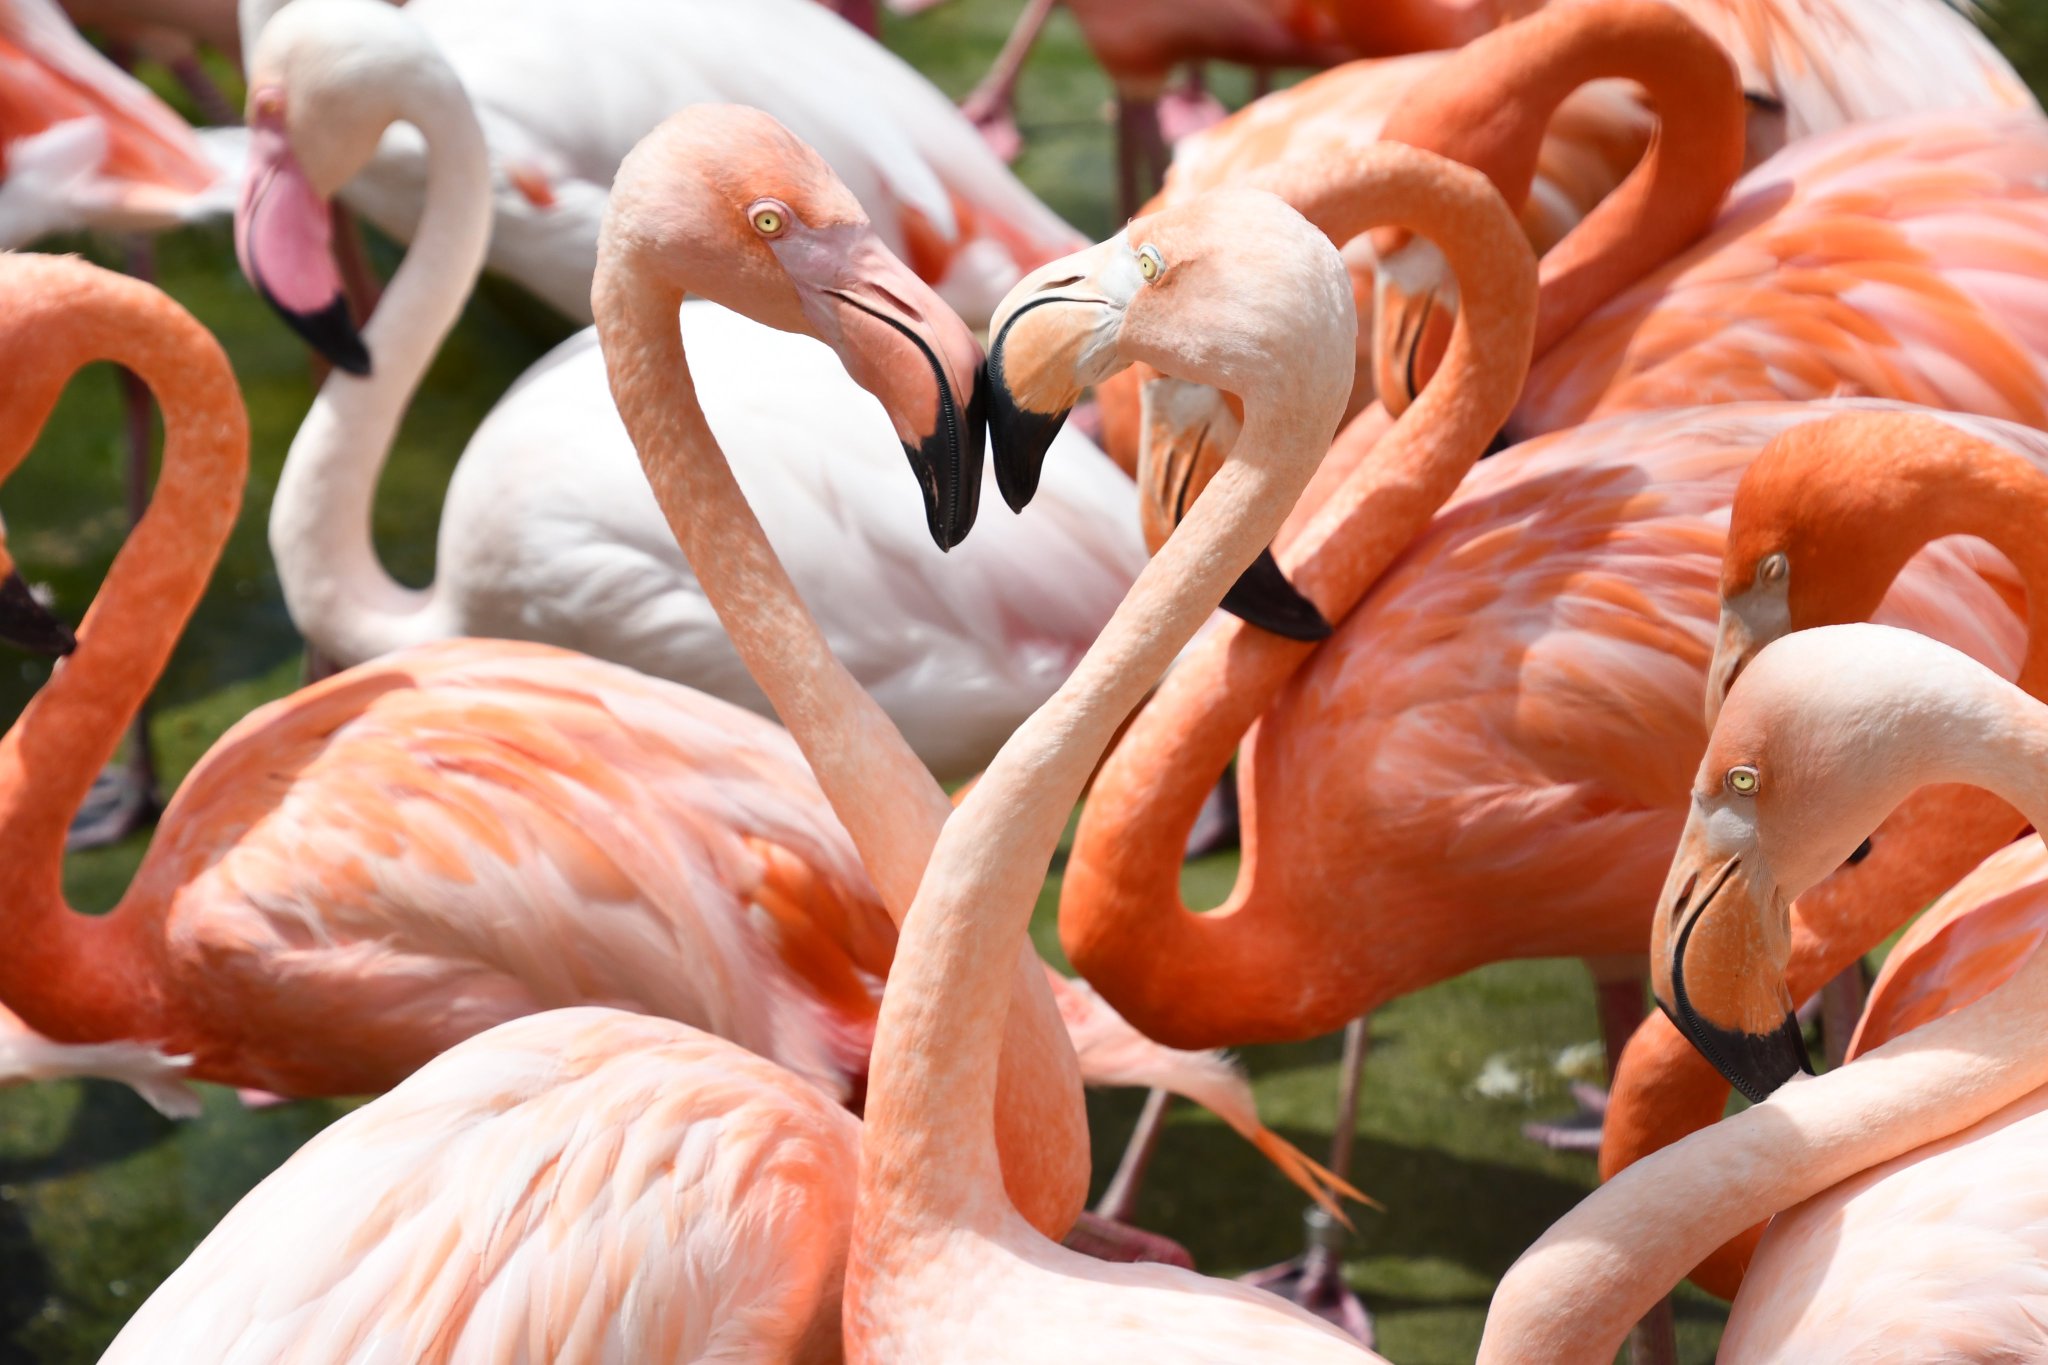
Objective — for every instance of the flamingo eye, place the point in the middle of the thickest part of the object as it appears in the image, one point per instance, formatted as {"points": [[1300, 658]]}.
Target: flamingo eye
{"points": [[1742, 781], [1150, 263], [1772, 568], [769, 219]]}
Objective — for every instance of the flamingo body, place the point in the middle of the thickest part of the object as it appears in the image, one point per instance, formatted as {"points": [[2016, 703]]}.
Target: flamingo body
{"points": [[579, 1186], [938, 198], [550, 532], [1940, 1255]]}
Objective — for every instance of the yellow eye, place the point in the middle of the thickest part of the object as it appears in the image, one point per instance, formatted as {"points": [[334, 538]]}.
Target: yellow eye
{"points": [[769, 222], [1742, 781], [1150, 263]]}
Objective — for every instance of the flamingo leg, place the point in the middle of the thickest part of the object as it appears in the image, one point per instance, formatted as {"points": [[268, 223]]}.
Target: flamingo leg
{"points": [[1654, 1340], [1315, 1279], [1140, 151], [992, 105], [124, 797], [1621, 1009], [1120, 1201]]}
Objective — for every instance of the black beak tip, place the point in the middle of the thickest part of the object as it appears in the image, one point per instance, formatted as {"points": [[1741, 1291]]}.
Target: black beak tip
{"points": [[948, 462], [1263, 597], [328, 330], [1756, 1064], [27, 624], [1020, 436]]}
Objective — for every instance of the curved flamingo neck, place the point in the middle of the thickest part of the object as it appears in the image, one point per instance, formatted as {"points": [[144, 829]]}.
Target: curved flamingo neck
{"points": [[74, 977], [335, 586], [889, 802], [927, 1162], [1187, 979], [1879, 487], [1601, 1266], [1491, 102]]}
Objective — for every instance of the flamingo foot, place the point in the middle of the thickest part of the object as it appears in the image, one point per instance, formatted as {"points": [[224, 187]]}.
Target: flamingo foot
{"points": [[1315, 1279], [121, 802], [1108, 1240], [1577, 1132]]}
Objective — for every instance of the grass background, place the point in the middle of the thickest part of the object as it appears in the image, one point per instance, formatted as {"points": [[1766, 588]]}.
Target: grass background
{"points": [[100, 1198]]}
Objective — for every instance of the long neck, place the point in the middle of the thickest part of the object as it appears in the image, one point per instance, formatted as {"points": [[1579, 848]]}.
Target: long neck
{"points": [[1575, 1293], [334, 585], [1121, 917], [891, 806], [75, 977], [1490, 105], [927, 1162]]}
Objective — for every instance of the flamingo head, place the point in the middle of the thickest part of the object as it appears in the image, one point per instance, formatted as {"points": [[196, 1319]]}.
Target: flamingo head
{"points": [[725, 203], [1225, 293], [1825, 732], [25, 622]]}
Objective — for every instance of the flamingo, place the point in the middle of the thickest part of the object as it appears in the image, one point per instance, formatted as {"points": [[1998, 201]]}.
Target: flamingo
{"points": [[1840, 266], [1821, 524], [705, 1190], [571, 550], [1826, 731], [1235, 290]]}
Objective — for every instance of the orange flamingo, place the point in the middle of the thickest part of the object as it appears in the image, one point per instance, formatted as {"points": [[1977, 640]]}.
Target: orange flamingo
{"points": [[1821, 525], [1235, 290], [1826, 731], [1848, 264]]}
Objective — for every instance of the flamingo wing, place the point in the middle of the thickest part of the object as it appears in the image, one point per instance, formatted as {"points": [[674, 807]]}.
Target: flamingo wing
{"points": [[578, 1186], [420, 848], [1901, 259]]}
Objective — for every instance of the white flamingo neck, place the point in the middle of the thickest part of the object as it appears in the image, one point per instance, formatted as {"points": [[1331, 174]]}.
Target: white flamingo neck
{"points": [[334, 585], [928, 1155]]}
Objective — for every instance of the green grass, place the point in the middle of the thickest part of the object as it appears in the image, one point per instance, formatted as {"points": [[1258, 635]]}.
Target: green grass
{"points": [[100, 1198]]}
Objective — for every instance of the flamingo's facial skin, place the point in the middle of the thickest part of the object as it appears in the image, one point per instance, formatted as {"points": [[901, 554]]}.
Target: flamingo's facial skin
{"points": [[1749, 620]]}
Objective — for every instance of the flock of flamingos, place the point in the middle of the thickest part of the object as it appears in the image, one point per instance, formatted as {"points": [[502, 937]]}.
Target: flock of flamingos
{"points": [[1721, 667]]}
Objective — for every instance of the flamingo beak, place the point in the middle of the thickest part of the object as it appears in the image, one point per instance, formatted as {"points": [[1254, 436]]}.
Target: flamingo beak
{"points": [[1734, 646], [1055, 334], [1718, 949], [26, 623], [902, 344], [1187, 431], [1412, 297], [284, 239]]}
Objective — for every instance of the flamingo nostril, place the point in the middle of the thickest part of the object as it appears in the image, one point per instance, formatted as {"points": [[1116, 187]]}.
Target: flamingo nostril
{"points": [[1684, 896]]}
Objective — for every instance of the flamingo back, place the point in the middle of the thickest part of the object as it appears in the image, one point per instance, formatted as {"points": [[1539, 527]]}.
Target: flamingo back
{"points": [[577, 1186], [1902, 259]]}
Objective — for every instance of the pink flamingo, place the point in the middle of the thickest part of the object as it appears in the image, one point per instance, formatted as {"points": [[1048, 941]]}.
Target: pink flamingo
{"points": [[1826, 731], [1238, 291]]}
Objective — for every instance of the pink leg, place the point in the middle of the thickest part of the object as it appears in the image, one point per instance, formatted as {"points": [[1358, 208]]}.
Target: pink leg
{"points": [[1654, 1340], [1120, 1201], [1315, 1279], [1140, 152], [991, 105], [861, 14], [1841, 1005], [1621, 1010]]}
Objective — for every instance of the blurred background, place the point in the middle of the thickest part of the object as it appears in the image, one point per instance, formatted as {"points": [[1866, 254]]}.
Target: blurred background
{"points": [[100, 1198]]}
